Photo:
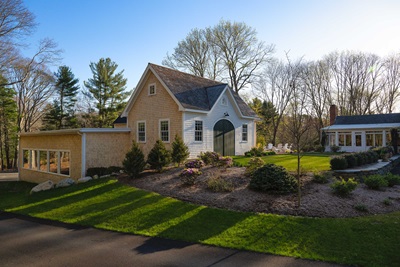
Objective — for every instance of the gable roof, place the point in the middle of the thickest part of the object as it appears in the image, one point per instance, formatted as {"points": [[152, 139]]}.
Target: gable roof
{"points": [[368, 119], [375, 121], [189, 91]]}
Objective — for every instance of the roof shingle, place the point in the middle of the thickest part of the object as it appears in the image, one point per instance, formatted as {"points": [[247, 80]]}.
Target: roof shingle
{"points": [[368, 119]]}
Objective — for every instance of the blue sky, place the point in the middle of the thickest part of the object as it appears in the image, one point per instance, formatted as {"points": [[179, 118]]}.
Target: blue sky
{"points": [[133, 33]]}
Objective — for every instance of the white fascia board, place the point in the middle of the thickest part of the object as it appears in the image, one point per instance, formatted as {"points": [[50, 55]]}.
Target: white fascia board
{"points": [[361, 126], [105, 130], [195, 111]]}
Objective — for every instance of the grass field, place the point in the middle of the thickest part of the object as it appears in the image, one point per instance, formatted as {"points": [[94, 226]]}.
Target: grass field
{"points": [[309, 162], [107, 204]]}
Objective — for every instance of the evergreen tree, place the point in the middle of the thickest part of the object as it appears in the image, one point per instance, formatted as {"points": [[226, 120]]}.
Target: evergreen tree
{"points": [[180, 151], [134, 161], [159, 156], [62, 114], [8, 128], [108, 89]]}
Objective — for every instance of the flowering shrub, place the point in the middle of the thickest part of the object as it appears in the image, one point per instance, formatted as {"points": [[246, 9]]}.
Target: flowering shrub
{"points": [[188, 176], [254, 164], [210, 157], [225, 162], [196, 163]]}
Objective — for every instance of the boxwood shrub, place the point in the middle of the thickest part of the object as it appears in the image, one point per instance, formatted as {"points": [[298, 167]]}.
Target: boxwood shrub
{"points": [[338, 163], [274, 179], [375, 182]]}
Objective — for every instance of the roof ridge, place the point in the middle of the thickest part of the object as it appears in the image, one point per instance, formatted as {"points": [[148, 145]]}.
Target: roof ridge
{"points": [[196, 76]]}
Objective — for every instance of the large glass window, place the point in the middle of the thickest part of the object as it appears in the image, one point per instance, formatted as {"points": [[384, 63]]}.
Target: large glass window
{"points": [[141, 132], [164, 131], [331, 139], [53, 161], [43, 161], [64, 162], [25, 158], [344, 139], [198, 131], [358, 139], [374, 138]]}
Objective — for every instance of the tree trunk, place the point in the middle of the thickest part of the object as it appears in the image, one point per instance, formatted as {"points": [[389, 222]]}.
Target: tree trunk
{"points": [[298, 178]]}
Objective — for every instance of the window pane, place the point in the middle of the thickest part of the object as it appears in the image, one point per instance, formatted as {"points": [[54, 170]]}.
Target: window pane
{"points": [[378, 139], [244, 132], [43, 161], [358, 140], [198, 131], [370, 139], [341, 139], [348, 139], [332, 139], [164, 127], [65, 163], [141, 132]]}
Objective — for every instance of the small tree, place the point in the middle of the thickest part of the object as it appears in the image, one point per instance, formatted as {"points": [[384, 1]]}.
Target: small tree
{"points": [[159, 156], [134, 161], [180, 151]]}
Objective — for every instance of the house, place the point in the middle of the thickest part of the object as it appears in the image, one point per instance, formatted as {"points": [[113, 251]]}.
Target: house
{"points": [[360, 132], [208, 115]]}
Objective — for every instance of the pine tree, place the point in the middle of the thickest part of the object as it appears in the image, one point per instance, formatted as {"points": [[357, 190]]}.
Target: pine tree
{"points": [[62, 115], [180, 151], [159, 156], [108, 89], [134, 161], [8, 128]]}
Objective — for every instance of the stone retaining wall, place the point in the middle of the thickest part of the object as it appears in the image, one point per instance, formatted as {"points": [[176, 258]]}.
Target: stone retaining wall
{"points": [[370, 169]]}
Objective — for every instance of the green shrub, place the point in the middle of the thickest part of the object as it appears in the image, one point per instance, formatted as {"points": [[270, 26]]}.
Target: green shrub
{"points": [[343, 187], [392, 179], [225, 162], [335, 149], [134, 161], [114, 169], [338, 163], [320, 178], [320, 149], [351, 160], [361, 207], [387, 202], [375, 182], [271, 177], [217, 184], [210, 158], [180, 151], [253, 165], [360, 159], [159, 156], [188, 176]]}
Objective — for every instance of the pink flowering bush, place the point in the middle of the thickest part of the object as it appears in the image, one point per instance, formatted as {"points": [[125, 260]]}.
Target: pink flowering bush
{"points": [[196, 163], [210, 158], [225, 162], [188, 176]]}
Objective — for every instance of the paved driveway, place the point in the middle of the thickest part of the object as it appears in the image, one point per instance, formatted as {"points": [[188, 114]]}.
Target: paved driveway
{"points": [[8, 176], [33, 242]]}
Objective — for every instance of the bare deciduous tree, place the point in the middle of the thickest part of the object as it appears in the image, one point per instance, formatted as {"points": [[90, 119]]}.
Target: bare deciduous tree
{"points": [[388, 97]]}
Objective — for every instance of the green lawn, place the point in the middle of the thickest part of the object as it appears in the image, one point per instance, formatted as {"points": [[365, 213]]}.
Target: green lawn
{"points": [[309, 162], [107, 204]]}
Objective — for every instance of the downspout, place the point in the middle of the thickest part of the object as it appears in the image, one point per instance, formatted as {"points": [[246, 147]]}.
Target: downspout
{"points": [[83, 152]]}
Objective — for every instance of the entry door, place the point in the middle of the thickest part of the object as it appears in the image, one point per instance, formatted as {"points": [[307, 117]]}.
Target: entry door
{"points": [[224, 138]]}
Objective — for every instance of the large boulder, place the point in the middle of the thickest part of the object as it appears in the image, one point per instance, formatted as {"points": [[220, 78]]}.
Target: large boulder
{"points": [[65, 183], [43, 186], [84, 179]]}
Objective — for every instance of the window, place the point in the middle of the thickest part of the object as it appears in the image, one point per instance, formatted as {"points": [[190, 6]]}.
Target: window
{"points": [[198, 131], [374, 138], [358, 139], [164, 130], [344, 139], [53, 161], [330, 141], [388, 138], [152, 89], [244, 133], [141, 131], [224, 102]]}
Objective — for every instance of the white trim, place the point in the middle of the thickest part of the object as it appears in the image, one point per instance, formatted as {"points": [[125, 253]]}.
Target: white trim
{"points": [[345, 127], [155, 89], [137, 132], [169, 130], [83, 160]]}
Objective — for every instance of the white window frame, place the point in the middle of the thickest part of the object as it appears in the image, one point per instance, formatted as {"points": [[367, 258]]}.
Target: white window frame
{"points": [[169, 130], [199, 131], [245, 133], [345, 138], [137, 132], [155, 89]]}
